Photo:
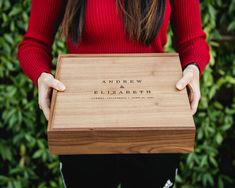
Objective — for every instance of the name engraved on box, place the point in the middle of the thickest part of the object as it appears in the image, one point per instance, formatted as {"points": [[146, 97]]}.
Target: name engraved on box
{"points": [[122, 91]]}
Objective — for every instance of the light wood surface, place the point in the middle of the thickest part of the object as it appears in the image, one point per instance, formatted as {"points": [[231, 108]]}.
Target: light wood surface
{"points": [[147, 114]]}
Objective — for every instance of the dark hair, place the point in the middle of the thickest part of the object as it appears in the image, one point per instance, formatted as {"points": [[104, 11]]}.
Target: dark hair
{"points": [[142, 18]]}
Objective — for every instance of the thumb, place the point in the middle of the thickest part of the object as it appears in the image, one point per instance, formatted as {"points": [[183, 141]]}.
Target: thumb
{"points": [[184, 81], [54, 83]]}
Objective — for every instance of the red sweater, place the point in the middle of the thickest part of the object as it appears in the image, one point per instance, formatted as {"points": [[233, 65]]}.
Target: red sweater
{"points": [[104, 33]]}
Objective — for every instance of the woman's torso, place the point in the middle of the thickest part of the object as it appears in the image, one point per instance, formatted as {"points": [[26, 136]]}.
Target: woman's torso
{"points": [[104, 31]]}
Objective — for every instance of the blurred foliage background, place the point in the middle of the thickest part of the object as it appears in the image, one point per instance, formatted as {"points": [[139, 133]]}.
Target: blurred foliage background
{"points": [[24, 158]]}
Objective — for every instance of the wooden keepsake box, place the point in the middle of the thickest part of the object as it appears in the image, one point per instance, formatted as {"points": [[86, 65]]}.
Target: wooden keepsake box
{"points": [[120, 103]]}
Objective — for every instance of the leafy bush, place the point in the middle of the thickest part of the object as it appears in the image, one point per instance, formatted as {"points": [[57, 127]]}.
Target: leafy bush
{"points": [[24, 158], [212, 164]]}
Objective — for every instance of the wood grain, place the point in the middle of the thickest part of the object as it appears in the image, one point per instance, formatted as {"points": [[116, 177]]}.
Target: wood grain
{"points": [[120, 103]]}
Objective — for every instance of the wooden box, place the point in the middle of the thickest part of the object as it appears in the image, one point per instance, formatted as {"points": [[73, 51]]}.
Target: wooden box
{"points": [[120, 103]]}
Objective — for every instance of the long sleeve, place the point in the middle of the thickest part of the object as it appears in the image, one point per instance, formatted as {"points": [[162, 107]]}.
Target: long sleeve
{"points": [[34, 52], [189, 38]]}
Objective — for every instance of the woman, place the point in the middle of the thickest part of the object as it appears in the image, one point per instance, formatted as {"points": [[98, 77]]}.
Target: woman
{"points": [[115, 26]]}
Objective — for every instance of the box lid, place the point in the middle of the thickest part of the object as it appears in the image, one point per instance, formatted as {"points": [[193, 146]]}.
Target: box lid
{"points": [[119, 92]]}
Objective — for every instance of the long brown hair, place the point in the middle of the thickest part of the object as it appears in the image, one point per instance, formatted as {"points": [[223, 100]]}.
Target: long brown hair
{"points": [[142, 18]]}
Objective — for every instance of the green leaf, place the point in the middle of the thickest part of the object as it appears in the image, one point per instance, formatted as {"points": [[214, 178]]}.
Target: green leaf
{"points": [[16, 10], [231, 26]]}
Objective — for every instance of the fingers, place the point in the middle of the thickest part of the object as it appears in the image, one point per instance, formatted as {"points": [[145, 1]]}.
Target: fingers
{"points": [[45, 84], [184, 81], [44, 100], [195, 101], [44, 105], [194, 96], [190, 92], [191, 80]]}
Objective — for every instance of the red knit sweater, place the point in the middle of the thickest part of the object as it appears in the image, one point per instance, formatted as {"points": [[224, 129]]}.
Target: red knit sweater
{"points": [[104, 33]]}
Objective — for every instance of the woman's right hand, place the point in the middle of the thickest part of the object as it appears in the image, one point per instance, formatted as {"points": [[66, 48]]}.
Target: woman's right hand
{"points": [[45, 84]]}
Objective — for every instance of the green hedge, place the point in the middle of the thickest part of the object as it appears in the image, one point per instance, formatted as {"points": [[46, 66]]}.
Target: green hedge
{"points": [[24, 158]]}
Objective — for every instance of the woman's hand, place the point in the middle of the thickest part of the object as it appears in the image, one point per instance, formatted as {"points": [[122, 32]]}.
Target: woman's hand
{"points": [[45, 84], [191, 76]]}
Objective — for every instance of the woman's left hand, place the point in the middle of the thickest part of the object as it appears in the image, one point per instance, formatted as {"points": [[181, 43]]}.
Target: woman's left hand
{"points": [[190, 79]]}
